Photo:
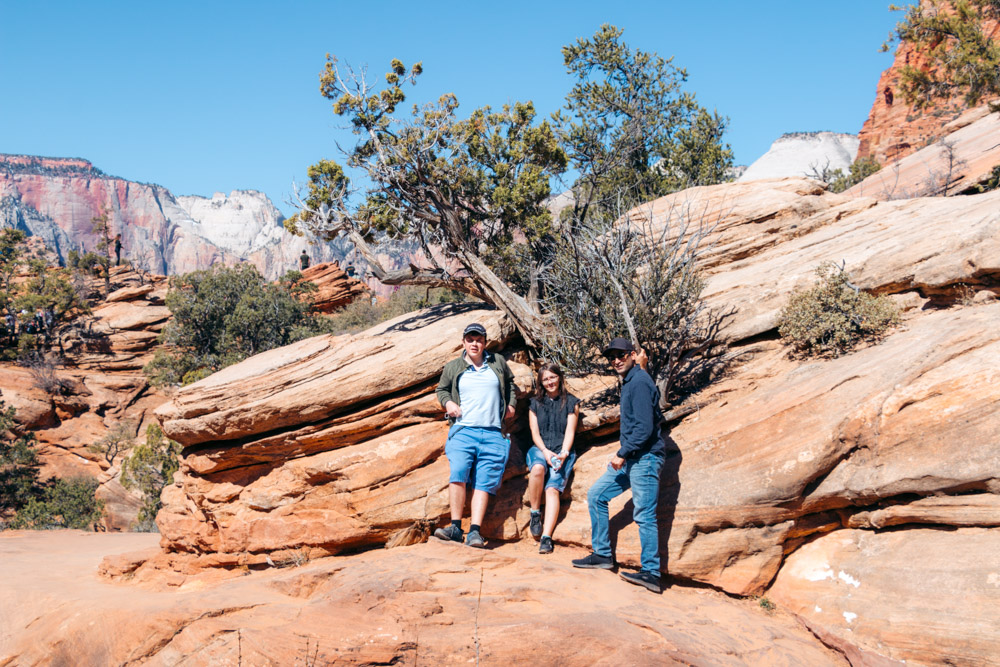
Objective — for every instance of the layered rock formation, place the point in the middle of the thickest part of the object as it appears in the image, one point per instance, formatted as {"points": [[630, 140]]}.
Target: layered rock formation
{"points": [[895, 129], [334, 289], [803, 154], [336, 444], [56, 199], [97, 384]]}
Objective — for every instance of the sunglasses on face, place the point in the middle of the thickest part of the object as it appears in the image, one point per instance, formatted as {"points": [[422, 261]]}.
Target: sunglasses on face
{"points": [[615, 356]]}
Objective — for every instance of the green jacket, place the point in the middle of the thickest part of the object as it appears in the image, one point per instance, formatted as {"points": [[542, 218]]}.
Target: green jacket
{"points": [[447, 388]]}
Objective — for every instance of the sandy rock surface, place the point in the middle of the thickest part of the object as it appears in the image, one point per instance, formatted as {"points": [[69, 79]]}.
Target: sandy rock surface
{"points": [[916, 595], [431, 603], [963, 157]]}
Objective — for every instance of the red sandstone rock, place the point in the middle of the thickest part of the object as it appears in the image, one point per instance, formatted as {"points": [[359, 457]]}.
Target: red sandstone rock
{"points": [[964, 157], [895, 129], [334, 289], [431, 603]]}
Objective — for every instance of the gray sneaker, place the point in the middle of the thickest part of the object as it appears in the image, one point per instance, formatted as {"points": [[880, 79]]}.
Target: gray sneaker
{"points": [[545, 546], [474, 539], [450, 533], [536, 525], [645, 579], [593, 561]]}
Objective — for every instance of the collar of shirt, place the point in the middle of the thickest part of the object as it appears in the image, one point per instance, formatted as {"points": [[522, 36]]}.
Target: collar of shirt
{"points": [[486, 360], [630, 374]]}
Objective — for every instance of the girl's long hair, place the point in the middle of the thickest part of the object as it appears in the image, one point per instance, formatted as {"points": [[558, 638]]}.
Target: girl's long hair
{"points": [[540, 389]]}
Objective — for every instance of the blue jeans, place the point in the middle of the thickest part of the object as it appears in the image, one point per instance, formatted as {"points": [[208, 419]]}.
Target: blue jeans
{"points": [[643, 477]]}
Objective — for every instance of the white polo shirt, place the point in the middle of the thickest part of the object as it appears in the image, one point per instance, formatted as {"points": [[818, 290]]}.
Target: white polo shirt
{"points": [[479, 393]]}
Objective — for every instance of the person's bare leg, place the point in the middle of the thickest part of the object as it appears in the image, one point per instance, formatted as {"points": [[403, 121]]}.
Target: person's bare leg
{"points": [[456, 494], [536, 484], [551, 510], [480, 499]]}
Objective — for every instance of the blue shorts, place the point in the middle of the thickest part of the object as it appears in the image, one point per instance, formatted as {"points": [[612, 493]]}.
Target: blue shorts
{"points": [[479, 453], [557, 479]]}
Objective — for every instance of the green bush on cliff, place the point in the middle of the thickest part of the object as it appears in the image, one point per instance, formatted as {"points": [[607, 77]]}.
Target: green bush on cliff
{"points": [[224, 315], [25, 502], [148, 468], [832, 317], [18, 464], [858, 171], [62, 503]]}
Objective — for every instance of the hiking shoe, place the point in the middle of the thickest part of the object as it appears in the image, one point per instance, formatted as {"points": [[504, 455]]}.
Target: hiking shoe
{"points": [[536, 525], [595, 562], [644, 579], [545, 546], [474, 539], [450, 533]]}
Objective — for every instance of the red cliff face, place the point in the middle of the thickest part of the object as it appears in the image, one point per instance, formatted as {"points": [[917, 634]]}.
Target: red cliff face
{"points": [[895, 129]]}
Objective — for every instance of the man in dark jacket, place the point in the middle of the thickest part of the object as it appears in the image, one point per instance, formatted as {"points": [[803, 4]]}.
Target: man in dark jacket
{"points": [[477, 392], [635, 465]]}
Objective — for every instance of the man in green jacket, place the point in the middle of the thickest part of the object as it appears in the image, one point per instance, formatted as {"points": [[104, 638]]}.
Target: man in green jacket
{"points": [[477, 393]]}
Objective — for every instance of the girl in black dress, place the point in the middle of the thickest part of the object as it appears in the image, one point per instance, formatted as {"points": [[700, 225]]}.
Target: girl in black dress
{"points": [[553, 417]]}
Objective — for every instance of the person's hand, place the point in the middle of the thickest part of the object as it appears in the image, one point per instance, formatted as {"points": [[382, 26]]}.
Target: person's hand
{"points": [[452, 409], [642, 359], [616, 462], [509, 414], [550, 456]]}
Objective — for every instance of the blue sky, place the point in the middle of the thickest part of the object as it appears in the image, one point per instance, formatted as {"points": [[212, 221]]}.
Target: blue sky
{"points": [[215, 96]]}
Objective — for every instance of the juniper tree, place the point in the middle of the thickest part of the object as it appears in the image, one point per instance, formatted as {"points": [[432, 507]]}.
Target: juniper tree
{"points": [[954, 38]]}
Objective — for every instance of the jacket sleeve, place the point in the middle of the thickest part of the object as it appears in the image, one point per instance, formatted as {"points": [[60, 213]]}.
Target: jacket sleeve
{"points": [[443, 390], [511, 397], [638, 417]]}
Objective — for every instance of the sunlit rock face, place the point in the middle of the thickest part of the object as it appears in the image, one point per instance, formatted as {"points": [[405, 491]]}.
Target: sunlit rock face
{"points": [[803, 154]]}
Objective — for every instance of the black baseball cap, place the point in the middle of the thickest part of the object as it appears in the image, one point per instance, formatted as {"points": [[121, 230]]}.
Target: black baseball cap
{"points": [[618, 344], [474, 328]]}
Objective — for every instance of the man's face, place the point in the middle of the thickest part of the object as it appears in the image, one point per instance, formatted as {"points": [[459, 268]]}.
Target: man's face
{"points": [[474, 345], [621, 361]]}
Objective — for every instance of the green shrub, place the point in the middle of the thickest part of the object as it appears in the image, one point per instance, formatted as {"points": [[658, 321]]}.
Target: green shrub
{"points": [[859, 171], [148, 469], [224, 315], [832, 317], [64, 503], [18, 464], [57, 503]]}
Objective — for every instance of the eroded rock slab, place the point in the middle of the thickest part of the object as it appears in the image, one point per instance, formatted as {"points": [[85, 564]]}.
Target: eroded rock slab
{"points": [[924, 596]]}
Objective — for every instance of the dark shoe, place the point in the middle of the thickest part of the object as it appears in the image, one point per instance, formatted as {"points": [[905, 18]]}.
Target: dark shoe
{"points": [[644, 579], [536, 525], [545, 546], [474, 539], [595, 562], [450, 533]]}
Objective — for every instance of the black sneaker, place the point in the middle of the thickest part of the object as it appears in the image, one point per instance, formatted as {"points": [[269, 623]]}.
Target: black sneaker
{"points": [[536, 525], [474, 539], [450, 533], [545, 546], [644, 579], [593, 561]]}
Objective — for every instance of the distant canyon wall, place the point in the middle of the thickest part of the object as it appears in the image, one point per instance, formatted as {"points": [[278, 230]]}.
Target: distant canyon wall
{"points": [[57, 198]]}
